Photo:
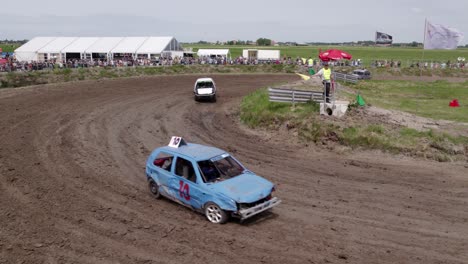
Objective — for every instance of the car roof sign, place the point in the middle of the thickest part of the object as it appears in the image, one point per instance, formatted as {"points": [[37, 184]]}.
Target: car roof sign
{"points": [[176, 142]]}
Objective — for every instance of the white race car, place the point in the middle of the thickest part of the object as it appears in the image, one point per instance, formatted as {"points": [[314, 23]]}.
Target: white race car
{"points": [[205, 88]]}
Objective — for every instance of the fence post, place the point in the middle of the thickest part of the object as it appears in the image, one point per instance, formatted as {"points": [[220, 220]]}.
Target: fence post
{"points": [[335, 94], [294, 104]]}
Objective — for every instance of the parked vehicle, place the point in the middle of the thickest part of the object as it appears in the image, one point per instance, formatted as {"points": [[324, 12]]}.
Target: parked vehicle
{"points": [[208, 180], [205, 88], [362, 74]]}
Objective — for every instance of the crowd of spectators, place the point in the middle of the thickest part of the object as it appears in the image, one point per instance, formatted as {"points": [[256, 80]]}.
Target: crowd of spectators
{"points": [[438, 65], [386, 64], [419, 64], [10, 64]]}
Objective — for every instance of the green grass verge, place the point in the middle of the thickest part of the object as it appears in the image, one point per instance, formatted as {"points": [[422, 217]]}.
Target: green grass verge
{"points": [[257, 111], [428, 99]]}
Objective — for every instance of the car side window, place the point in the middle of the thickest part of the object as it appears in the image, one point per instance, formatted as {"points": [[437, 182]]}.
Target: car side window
{"points": [[164, 161], [184, 168], [208, 170]]}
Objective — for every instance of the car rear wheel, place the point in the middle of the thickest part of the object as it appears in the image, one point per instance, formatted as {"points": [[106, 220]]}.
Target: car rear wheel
{"points": [[215, 214], [154, 189]]}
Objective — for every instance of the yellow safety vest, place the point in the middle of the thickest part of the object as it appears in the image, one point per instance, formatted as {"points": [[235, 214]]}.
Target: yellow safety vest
{"points": [[326, 74]]}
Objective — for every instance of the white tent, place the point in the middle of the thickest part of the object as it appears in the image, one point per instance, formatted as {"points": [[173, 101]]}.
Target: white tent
{"points": [[129, 45], [94, 47], [103, 46], [78, 48], [213, 52], [53, 49], [28, 51], [157, 45]]}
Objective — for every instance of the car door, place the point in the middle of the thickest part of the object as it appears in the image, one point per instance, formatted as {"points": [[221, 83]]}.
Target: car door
{"points": [[186, 183], [214, 87], [161, 172]]}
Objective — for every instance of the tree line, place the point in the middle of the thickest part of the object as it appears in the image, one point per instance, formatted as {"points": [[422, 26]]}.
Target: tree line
{"points": [[269, 42]]}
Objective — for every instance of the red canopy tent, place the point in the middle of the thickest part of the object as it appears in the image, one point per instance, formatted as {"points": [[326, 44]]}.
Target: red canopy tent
{"points": [[334, 54], [454, 103], [3, 61]]}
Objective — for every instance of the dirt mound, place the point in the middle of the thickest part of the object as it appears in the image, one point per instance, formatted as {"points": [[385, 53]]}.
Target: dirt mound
{"points": [[73, 190]]}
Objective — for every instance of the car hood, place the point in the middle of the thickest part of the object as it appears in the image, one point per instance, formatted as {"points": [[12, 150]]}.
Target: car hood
{"points": [[245, 188]]}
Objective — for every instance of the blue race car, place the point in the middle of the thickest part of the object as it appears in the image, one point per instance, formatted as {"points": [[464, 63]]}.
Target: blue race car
{"points": [[208, 180]]}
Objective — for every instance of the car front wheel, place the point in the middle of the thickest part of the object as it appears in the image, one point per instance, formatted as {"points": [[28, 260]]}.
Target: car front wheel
{"points": [[215, 214], [154, 189]]}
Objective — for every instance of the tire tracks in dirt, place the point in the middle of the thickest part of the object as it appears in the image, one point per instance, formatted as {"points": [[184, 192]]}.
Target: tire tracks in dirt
{"points": [[73, 187]]}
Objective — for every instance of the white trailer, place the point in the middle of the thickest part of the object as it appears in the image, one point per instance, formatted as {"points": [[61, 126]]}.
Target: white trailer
{"points": [[253, 54]]}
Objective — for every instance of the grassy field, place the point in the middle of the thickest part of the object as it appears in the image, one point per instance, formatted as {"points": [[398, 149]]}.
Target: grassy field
{"points": [[428, 99], [366, 54], [8, 47], [257, 111]]}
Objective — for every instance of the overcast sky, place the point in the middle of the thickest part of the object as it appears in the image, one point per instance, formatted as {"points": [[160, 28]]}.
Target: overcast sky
{"points": [[211, 20]]}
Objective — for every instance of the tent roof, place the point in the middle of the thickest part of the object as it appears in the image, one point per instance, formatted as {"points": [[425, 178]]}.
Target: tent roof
{"points": [[80, 45], [35, 44], [142, 45], [104, 45], [208, 52], [129, 45], [154, 45], [57, 45]]}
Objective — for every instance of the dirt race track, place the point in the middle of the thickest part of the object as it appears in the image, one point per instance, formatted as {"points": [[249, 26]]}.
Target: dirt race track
{"points": [[73, 188]]}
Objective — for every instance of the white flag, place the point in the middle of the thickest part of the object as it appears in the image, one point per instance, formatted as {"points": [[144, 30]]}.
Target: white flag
{"points": [[441, 37]]}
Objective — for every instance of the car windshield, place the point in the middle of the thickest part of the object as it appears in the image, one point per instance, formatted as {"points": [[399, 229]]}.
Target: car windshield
{"points": [[219, 168]]}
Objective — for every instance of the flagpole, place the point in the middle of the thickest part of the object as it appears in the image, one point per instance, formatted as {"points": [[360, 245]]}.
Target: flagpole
{"points": [[424, 43], [375, 49], [425, 30], [422, 57]]}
